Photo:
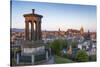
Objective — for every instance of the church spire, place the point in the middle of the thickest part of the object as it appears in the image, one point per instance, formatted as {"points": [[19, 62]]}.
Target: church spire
{"points": [[81, 30]]}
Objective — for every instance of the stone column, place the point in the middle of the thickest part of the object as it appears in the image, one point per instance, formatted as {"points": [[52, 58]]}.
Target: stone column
{"points": [[47, 55], [32, 31], [26, 30], [50, 51], [35, 32], [32, 59], [17, 58], [40, 32]]}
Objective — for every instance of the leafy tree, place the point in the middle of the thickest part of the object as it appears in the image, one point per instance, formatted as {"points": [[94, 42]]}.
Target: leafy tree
{"points": [[58, 45], [82, 56], [55, 45], [63, 43], [74, 44]]}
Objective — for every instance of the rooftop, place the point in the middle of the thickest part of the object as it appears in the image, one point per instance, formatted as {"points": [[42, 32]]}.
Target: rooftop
{"points": [[32, 14]]}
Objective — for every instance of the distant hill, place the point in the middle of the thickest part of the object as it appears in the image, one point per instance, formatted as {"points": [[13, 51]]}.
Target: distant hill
{"points": [[22, 30], [16, 30]]}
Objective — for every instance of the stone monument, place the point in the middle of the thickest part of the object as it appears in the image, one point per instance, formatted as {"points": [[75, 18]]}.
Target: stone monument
{"points": [[35, 21], [33, 45]]}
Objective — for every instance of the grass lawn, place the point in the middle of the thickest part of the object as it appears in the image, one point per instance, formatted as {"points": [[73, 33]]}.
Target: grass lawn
{"points": [[60, 60]]}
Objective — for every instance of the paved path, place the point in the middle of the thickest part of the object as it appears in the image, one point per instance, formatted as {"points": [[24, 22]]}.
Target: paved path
{"points": [[50, 61]]}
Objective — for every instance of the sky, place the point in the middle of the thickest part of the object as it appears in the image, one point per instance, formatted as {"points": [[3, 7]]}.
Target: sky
{"points": [[55, 15]]}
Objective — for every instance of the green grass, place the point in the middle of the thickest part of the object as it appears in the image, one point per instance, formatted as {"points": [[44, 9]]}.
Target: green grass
{"points": [[60, 60]]}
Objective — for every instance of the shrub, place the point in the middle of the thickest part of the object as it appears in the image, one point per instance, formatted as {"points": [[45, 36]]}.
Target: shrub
{"points": [[82, 56], [92, 58]]}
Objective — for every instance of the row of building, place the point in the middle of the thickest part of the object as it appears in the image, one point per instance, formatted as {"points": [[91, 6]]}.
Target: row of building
{"points": [[51, 35], [86, 40]]}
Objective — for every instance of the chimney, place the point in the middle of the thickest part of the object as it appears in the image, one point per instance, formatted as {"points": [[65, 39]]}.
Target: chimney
{"points": [[33, 10]]}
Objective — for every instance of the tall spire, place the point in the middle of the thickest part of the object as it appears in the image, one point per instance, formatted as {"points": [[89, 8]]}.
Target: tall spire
{"points": [[81, 30], [59, 30]]}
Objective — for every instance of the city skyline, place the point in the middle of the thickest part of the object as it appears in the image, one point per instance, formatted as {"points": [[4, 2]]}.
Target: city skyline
{"points": [[55, 16]]}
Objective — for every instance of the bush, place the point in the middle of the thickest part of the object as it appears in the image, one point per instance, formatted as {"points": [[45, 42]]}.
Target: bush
{"points": [[92, 58], [13, 61], [82, 56]]}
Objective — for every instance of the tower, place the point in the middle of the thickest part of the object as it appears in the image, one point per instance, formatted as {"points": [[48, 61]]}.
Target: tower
{"points": [[33, 45], [33, 39], [34, 20], [81, 30]]}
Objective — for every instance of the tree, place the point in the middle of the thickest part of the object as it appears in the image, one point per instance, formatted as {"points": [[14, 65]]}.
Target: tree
{"points": [[55, 46], [58, 45], [82, 56], [74, 44], [63, 43]]}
